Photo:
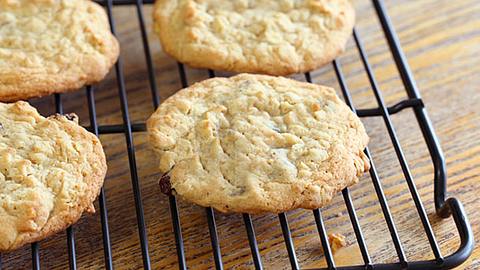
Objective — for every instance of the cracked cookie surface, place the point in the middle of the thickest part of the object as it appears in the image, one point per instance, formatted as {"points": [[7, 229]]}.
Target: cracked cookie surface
{"points": [[51, 170], [255, 36], [257, 143], [52, 46]]}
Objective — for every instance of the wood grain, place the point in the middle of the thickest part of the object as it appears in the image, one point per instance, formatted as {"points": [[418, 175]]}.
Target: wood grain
{"points": [[442, 42]]}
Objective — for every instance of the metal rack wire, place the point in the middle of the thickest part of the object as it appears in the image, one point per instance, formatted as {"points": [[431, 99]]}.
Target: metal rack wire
{"points": [[444, 207]]}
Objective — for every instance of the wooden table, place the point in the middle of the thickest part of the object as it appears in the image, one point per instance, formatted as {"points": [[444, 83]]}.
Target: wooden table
{"points": [[442, 42]]}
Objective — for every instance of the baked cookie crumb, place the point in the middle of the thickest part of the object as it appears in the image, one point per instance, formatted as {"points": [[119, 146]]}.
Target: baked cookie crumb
{"points": [[337, 241]]}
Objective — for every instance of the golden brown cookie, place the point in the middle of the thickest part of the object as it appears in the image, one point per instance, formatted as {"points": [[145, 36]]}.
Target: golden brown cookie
{"points": [[256, 143], [51, 171], [52, 46], [256, 36]]}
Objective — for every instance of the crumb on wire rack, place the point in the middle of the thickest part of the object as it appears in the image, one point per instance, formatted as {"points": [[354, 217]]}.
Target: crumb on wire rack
{"points": [[336, 241]]}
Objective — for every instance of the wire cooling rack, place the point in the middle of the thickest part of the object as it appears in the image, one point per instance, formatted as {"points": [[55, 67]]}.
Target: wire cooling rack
{"points": [[445, 207]]}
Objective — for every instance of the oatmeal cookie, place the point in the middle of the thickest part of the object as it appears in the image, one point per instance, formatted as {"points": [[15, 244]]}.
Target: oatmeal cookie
{"points": [[257, 143], [51, 171], [52, 46]]}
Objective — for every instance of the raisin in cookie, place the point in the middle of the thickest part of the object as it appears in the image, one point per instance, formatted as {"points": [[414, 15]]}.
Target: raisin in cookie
{"points": [[52, 46], [256, 36], [256, 143], [51, 170]]}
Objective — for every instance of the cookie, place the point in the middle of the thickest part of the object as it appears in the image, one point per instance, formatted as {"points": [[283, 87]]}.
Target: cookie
{"points": [[256, 36], [52, 46], [51, 170], [257, 143]]}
